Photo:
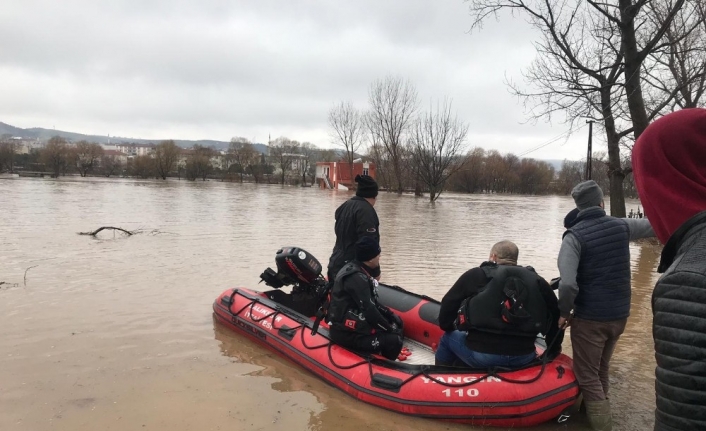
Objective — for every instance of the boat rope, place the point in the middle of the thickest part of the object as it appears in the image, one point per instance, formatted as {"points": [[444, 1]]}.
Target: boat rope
{"points": [[425, 370]]}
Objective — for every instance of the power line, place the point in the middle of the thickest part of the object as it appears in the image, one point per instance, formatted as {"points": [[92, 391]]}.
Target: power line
{"points": [[565, 134]]}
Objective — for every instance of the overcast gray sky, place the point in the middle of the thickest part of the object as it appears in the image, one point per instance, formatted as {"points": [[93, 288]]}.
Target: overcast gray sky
{"points": [[215, 69]]}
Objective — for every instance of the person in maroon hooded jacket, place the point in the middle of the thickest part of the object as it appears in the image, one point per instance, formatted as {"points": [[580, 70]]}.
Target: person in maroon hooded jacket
{"points": [[669, 165]]}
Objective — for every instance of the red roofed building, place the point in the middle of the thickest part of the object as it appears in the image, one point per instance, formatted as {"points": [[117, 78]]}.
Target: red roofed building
{"points": [[331, 175]]}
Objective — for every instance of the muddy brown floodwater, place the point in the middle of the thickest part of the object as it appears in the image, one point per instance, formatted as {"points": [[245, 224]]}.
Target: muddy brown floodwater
{"points": [[117, 333]]}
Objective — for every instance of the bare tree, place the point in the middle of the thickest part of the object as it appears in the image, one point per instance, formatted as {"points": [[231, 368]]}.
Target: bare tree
{"points": [[165, 156], [589, 66], [534, 176], [377, 153], [110, 165], [142, 166], [198, 163], [393, 104], [249, 156], [491, 172], [469, 179], [309, 152], [437, 142], [243, 155], [55, 155], [86, 156], [234, 156], [282, 152], [677, 67], [7, 154], [346, 123], [328, 155]]}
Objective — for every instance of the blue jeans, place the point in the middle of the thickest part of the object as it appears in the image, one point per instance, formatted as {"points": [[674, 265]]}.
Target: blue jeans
{"points": [[453, 346]]}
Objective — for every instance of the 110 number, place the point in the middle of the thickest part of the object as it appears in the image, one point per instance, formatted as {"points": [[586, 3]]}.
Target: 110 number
{"points": [[472, 392]]}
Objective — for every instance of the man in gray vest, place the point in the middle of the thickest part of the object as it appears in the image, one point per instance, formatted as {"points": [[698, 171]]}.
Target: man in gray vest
{"points": [[594, 292]]}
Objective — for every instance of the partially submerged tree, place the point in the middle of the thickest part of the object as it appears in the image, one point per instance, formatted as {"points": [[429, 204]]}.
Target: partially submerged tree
{"points": [[166, 155], [282, 151], [347, 130], [393, 105], [87, 156], [309, 153], [110, 165], [377, 153], [469, 178], [242, 154], [55, 155], [7, 154], [142, 166], [438, 139], [198, 163]]}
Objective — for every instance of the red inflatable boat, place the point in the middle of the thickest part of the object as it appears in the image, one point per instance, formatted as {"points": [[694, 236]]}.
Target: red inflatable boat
{"points": [[285, 323]]}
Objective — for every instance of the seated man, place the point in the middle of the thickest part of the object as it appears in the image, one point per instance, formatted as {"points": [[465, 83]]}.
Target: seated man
{"points": [[504, 307], [356, 320]]}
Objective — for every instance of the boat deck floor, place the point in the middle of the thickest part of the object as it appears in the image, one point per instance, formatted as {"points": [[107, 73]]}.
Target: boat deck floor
{"points": [[421, 354]]}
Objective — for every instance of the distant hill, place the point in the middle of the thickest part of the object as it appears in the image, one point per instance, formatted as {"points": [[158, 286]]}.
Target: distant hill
{"points": [[46, 134]]}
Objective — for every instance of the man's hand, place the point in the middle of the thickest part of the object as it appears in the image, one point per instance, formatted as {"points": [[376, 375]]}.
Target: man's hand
{"points": [[564, 323]]}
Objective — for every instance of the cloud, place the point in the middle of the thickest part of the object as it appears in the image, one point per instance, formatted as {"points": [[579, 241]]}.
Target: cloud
{"points": [[217, 69]]}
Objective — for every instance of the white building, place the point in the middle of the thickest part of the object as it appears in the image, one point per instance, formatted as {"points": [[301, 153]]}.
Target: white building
{"points": [[136, 149]]}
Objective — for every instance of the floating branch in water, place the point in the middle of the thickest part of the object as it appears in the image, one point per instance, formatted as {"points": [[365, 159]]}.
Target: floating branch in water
{"points": [[33, 266], [106, 227]]}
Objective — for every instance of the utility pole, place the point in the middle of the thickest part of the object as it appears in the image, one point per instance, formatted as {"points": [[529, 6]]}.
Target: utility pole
{"points": [[589, 156]]}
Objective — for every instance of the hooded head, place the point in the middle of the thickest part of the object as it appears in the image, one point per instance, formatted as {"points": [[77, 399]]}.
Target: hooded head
{"points": [[570, 218], [669, 166]]}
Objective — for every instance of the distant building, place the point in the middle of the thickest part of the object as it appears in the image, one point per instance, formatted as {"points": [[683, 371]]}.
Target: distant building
{"points": [[25, 145], [117, 155], [332, 175], [136, 149]]}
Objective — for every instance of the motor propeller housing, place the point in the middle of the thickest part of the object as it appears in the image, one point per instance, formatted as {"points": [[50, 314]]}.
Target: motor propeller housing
{"points": [[295, 266]]}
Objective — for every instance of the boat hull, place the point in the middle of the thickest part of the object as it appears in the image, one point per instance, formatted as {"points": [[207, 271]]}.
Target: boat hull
{"points": [[517, 398]]}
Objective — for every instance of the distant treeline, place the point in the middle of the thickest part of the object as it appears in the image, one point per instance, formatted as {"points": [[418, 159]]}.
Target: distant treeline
{"points": [[289, 162], [487, 171]]}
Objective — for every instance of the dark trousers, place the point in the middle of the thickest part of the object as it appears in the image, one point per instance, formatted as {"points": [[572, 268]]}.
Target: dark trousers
{"points": [[593, 344], [387, 344]]}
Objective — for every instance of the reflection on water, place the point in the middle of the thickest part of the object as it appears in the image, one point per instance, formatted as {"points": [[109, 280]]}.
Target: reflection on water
{"points": [[117, 332]]}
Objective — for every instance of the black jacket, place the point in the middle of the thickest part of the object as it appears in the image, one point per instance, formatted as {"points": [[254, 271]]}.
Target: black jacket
{"points": [[355, 218], [679, 329], [468, 285], [354, 298]]}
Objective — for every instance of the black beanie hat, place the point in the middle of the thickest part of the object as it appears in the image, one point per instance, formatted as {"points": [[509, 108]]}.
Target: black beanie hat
{"points": [[366, 248], [367, 187]]}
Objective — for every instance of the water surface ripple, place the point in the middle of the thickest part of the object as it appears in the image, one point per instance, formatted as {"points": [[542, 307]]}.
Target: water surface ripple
{"points": [[116, 333]]}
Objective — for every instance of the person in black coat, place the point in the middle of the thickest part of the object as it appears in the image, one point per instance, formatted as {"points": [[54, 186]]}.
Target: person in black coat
{"points": [[491, 343], [355, 219], [356, 320]]}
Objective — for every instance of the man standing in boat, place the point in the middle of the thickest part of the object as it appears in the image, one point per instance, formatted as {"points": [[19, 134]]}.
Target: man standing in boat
{"points": [[356, 320], [355, 219], [493, 313], [594, 267]]}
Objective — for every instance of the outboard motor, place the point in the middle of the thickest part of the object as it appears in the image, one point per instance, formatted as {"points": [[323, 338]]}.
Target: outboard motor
{"points": [[295, 267]]}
